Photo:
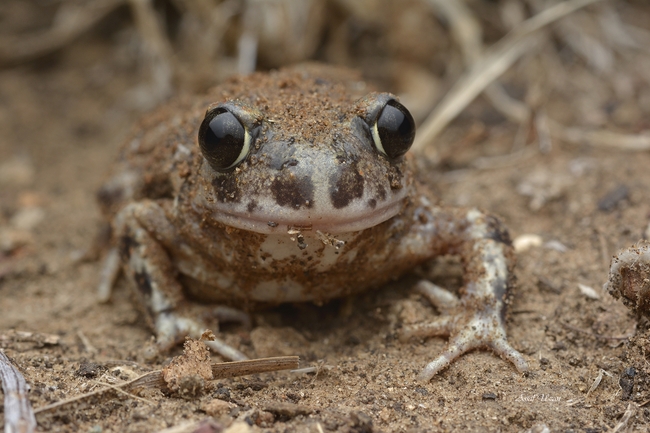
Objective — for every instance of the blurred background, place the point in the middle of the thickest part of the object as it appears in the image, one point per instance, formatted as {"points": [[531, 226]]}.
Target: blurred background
{"points": [[587, 65]]}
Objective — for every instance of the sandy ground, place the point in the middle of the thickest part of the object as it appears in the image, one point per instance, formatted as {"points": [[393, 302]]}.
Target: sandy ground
{"points": [[62, 119]]}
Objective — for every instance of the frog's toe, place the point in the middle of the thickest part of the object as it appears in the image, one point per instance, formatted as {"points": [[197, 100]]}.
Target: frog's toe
{"points": [[437, 328], [228, 314], [467, 332], [441, 298], [469, 339], [172, 328], [441, 362], [502, 348]]}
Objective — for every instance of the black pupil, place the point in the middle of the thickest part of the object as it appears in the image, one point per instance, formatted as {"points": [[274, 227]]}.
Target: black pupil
{"points": [[396, 129], [221, 137]]}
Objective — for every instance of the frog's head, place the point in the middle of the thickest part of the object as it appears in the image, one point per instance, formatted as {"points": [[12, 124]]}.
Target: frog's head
{"points": [[313, 164]]}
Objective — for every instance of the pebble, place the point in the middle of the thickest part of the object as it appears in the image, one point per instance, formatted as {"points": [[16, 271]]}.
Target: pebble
{"points": [[239, 427], [589, 292], [526, 241], [610, 200], [217, 408], [27, 218]]}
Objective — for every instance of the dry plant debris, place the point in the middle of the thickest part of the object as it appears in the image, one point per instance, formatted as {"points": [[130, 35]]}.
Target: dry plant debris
{"points": [[18, 412], [187, 375], [483, 71], [35, 338]]}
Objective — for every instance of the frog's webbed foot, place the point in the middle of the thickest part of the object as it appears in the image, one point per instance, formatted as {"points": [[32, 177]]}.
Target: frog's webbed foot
{"points": [[468, 328], [477, 319], [141, 230]]}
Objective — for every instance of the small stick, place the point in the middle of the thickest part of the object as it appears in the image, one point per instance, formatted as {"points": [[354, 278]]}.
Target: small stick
{"points": [[121, 391], [71, 20], [19, 416], [30, 337], [86, 342], [597, 381], [220, 370], [599, 337], [639, 142], [629, 413], [604, 255], [252, 366]]}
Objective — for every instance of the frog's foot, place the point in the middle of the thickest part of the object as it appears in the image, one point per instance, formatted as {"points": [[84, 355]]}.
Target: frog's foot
{"points": [[470, 325], [173, 326], [142, 230]]}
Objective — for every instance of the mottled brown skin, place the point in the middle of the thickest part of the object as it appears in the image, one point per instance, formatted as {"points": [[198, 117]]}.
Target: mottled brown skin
{"points": [[314, 211]]}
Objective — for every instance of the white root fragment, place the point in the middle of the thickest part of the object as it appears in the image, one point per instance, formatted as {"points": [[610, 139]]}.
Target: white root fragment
{"points": [[597, 381]]}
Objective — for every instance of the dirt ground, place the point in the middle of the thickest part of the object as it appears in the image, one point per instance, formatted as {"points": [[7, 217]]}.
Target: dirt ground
{"points": [[62, 118]]}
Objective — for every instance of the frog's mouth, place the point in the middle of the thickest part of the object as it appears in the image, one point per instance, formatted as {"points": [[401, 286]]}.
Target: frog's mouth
{"points": [[332, 222]]}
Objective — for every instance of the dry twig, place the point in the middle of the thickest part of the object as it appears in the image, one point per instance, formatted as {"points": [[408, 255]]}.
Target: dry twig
{"points": [[629, 413], [502, 55], [154, 379], [599, 337], [597, 381], [72, 19], [19, 416], [39, 339]]}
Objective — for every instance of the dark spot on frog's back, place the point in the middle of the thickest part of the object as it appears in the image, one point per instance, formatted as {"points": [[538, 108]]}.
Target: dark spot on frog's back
{"points": [[226, 188], [346, 185], [293, 191]]}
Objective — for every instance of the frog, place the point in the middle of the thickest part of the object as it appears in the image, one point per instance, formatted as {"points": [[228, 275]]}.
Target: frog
{"points": [[294, 185]]}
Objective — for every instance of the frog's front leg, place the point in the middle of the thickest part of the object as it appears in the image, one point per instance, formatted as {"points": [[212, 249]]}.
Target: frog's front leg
{"points": [[477, 319], [142, 230]]}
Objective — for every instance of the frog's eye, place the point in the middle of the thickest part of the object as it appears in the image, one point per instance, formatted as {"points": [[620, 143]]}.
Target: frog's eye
{"points": [[224, 141], [394, 130]]}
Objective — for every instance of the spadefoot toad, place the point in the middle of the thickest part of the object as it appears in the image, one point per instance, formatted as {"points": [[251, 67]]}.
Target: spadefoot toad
{"points": [[288, 186]]}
